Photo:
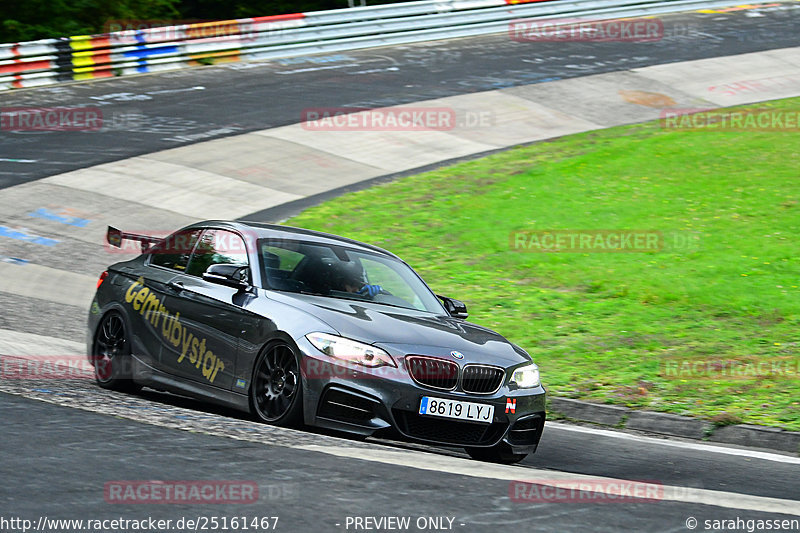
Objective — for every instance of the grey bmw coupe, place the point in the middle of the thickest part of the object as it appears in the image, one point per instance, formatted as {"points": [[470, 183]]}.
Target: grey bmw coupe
{"points": [[302, 327]]}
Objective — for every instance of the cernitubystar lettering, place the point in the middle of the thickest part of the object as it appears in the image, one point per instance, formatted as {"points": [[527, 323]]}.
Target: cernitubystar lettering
{"points": [[193, 349]]}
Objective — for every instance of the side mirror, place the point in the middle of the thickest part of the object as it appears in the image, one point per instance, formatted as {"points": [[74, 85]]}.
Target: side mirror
{"points": [[455, 308], [236, 276]]}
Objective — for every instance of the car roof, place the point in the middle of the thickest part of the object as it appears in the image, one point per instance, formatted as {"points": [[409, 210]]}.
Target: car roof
{"points": [[276, 231]]}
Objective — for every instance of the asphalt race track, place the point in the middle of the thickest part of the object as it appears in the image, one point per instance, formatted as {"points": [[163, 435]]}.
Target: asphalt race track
{"points": [[315, 482], [65, 441], [154, 112]]}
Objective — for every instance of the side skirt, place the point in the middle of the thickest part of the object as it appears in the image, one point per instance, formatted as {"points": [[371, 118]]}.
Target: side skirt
{"points": [[147, 376]]}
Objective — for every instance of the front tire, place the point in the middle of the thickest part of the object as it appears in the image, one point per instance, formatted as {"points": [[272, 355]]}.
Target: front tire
{"points": [[500, 453], [111, 355], [276, 392]]}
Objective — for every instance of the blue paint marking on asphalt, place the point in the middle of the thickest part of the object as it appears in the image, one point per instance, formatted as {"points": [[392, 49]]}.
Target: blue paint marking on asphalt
{"points": [[45, 213], [423, 407], [5, 231], [13, 260]]}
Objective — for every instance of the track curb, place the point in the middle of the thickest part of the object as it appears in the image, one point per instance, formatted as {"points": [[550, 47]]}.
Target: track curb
{"points": [[748, 435]]}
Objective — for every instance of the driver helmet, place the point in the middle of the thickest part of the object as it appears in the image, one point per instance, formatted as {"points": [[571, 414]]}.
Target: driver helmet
{"points": [[348, 274]]}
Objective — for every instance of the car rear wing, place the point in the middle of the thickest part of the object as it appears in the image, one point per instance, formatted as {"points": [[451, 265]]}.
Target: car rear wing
{"points": [[115, 238]]}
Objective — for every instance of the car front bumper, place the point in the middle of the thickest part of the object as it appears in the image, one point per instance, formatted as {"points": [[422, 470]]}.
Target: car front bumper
{"points": [[386, 401]]}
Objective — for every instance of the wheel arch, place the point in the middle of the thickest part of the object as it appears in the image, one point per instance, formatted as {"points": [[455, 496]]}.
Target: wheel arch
{"points": [[117, 308], [278, 337], [275, 337]]}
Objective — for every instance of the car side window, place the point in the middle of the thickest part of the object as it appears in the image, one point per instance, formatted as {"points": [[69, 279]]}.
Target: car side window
{"points": [[174, 251], [217, 246], [280, 258], [380, 274]]}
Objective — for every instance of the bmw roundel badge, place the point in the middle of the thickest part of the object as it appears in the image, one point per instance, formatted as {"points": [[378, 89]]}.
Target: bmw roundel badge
{"points": [[457, 355]]}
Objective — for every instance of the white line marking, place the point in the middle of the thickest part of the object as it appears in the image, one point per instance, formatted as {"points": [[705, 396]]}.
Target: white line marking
{"points": [[374, 70], [677, 444], [312, 69], [170, 91], [469, 467]]}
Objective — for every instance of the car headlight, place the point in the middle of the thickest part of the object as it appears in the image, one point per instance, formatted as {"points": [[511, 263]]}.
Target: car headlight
{"points": [[526, 377], [350, 350]]}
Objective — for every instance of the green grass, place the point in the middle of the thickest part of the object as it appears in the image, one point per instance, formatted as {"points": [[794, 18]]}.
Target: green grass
{"points": [[601, 325]]}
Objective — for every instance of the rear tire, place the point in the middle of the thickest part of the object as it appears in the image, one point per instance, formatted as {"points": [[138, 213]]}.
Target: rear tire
{"points": [[276, 390], [500, 453], [111, 355]]}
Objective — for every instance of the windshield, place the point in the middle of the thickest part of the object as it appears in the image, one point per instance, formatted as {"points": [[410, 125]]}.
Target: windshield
{"points": [[339, 272]]}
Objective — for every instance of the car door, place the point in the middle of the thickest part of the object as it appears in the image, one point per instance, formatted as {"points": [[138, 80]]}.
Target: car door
{"points": [[209, 317], [147, 294]]}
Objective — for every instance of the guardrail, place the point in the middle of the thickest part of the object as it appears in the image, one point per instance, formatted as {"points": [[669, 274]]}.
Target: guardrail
{"points": [[49, 61]]}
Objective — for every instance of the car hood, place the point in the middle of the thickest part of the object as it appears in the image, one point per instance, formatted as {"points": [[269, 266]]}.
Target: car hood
{"points": [[408, 330]]}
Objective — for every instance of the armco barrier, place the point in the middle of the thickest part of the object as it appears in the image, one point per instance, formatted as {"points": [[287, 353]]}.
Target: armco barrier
{"points": [[49, 61]]}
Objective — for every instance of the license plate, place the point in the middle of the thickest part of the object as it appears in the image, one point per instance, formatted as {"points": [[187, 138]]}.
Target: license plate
{"points": [[474, 412]]}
